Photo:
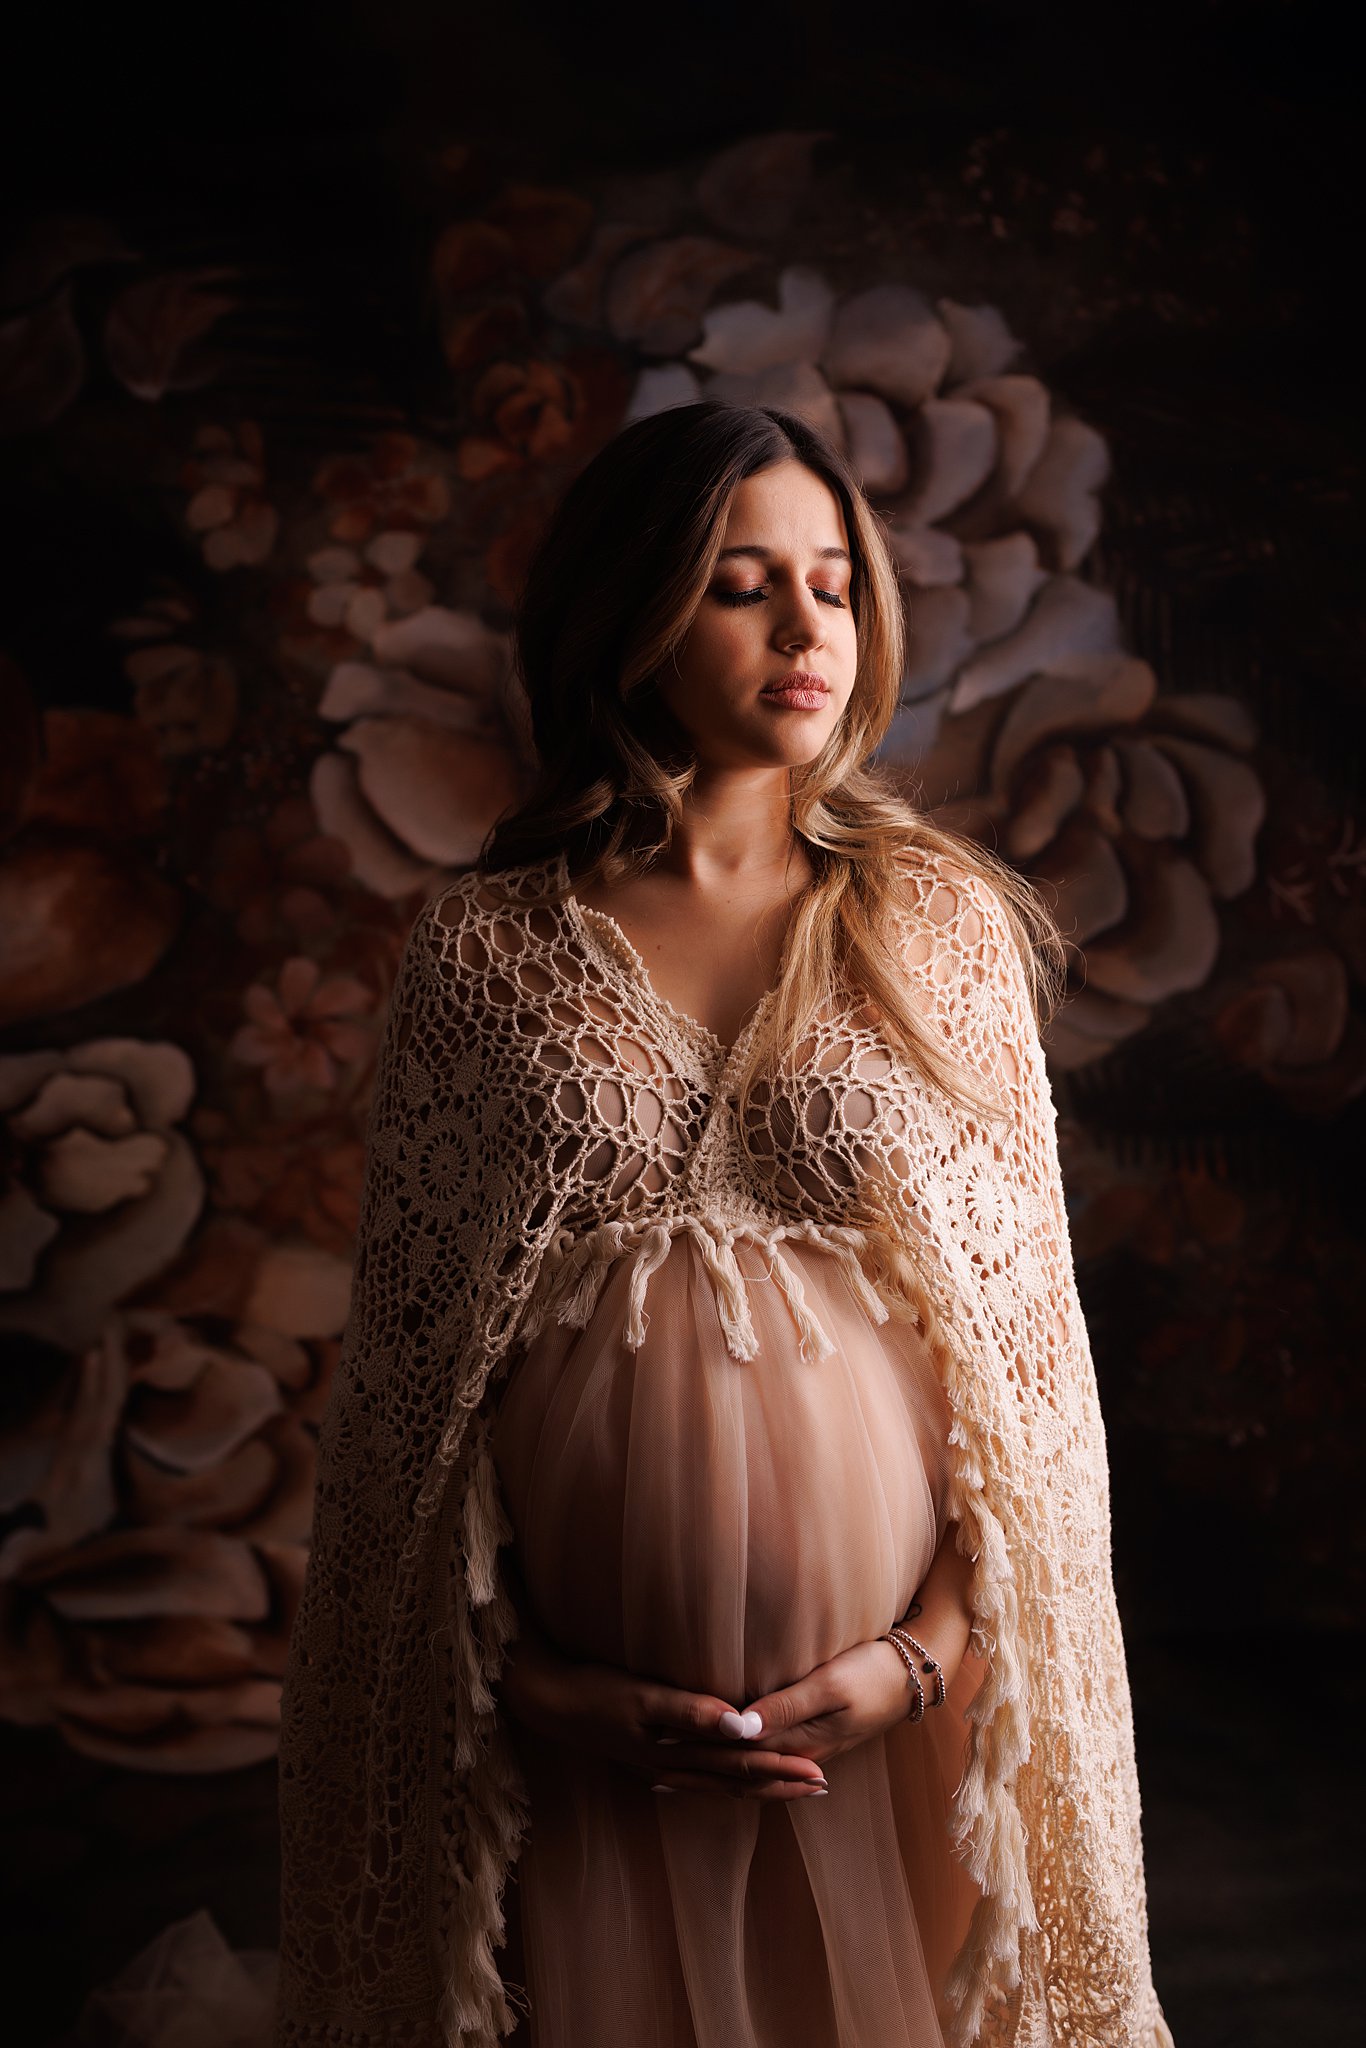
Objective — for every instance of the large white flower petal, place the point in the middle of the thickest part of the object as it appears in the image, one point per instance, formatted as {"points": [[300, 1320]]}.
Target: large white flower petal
{"points": [[1167, 943], [749, 336], [94, 1100], [379, 860], [888, 340], [926, 555], [982, 344], [875, 443], [798, 387], [1082, 693], [938, 640], [437, 790], [1003, 578], [954, 444], [1059, 495], [1068, 617], [98, 1260], [660, 387], [355, 689], [1023, 411], [84, 1175], [159, 1076], [453, 648]]}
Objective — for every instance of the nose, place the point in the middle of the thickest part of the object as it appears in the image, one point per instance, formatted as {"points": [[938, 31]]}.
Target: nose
{"points": [[798, 621]]}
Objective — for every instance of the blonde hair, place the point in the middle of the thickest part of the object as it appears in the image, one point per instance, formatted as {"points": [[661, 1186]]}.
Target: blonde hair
{"points": [[611, 592]]}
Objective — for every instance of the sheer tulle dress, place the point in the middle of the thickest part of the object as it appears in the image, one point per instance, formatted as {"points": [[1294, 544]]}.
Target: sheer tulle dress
{"points": [[726, 1526]]}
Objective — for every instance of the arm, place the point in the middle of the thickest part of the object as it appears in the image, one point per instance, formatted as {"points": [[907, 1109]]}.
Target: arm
{"points": [[940, 1616]]}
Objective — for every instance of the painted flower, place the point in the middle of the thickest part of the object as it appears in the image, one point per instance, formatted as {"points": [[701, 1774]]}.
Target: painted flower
{"points": [[283, 1183], [228, 507], [183, 693], [359, 589], [303, 1031], [392, 488], [431, 752], [103, 1188], [155, 331], [156, 1501], [279, 880], [86, 907], [529, 413]]}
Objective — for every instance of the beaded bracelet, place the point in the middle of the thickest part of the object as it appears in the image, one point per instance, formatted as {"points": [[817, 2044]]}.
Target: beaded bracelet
{"points": [[902, 1637], [917, 1707]]}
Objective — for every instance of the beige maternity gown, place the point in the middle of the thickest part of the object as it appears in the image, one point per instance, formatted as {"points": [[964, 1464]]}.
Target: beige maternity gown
{"points": [[727, 1525]]}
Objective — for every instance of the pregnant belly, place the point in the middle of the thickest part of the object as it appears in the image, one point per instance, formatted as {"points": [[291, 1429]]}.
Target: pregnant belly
{"points": [[723, 1525]]}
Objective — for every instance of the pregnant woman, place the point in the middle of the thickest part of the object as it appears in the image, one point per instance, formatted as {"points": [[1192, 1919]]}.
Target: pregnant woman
{"points": [[709, 1638]]}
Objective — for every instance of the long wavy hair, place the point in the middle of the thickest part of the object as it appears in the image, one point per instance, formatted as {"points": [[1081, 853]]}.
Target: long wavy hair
{"points": [[612, 589]]}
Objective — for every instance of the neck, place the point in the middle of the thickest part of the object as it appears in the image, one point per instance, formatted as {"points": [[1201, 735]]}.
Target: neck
{"points": [[736, 823]]}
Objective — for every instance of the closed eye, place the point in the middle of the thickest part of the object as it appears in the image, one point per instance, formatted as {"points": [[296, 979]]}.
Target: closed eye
{"points": [[756, 595]]}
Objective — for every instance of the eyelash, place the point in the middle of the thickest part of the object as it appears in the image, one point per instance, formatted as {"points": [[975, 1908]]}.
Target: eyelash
{"points": [[755, 595]]}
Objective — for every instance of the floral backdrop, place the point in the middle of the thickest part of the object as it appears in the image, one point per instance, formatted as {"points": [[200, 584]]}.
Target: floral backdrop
{"points": [[258, 703]]}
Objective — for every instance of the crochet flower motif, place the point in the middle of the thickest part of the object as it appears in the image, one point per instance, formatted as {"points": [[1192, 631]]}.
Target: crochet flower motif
{"points": [[444, 1165], [990, 1205]]}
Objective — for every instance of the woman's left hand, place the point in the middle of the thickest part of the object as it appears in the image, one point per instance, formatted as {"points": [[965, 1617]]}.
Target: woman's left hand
{"points": [[854, 1695], [843, 1702], [860, 1693]]}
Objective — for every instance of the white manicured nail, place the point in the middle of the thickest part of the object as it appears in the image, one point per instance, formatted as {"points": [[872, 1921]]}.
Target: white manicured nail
{"points": [[662, 1788], [746, 1725]]}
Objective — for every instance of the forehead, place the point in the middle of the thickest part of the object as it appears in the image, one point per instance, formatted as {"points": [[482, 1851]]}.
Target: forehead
{"points": [[787, 506]]}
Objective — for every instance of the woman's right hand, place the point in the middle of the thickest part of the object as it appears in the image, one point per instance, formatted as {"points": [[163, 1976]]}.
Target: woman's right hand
{"points": [[672, 1738]]}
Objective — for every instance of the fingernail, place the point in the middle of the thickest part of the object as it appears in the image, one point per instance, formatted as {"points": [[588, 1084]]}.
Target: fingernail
{"points": [[818, 1791], [662, 1788], [746, 1725], [668, 1738]]}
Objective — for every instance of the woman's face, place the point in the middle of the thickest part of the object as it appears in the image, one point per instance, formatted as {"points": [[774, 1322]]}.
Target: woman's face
{"points": [[777, 606]]}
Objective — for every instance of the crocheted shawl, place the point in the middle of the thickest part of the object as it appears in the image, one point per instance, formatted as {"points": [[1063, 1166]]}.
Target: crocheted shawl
{"points": [[539, 1112]]}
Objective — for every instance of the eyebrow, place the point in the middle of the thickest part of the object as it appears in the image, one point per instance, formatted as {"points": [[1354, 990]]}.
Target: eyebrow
{"points": [[822, 554]]}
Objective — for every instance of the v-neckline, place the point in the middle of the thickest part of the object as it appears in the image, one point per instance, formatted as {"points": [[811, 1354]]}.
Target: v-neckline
{"points": [[585, 916]]}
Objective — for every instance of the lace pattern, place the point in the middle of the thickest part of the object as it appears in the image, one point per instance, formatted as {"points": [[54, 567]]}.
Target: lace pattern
{"points": [[538, 1110]]}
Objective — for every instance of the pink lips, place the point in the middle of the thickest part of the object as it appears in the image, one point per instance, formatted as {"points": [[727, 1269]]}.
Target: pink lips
{"points": [[802, 689]]}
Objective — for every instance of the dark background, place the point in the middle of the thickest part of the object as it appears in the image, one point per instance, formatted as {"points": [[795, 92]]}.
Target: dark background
{"points": [[1201, 320]]}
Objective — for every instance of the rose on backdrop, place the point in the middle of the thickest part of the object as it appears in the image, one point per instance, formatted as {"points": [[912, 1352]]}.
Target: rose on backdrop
{"points": [[85, 908], [156, 1507], [103, 1189], [430, 752]]}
